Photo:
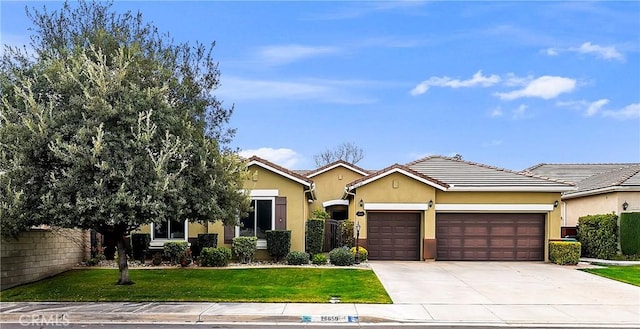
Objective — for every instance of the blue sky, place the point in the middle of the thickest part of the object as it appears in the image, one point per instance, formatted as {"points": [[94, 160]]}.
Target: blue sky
{"points": [[508, 84]]}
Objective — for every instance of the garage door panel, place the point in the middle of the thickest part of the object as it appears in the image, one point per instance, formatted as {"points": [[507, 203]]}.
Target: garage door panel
{"points": [[393, 236], [499, 237]]}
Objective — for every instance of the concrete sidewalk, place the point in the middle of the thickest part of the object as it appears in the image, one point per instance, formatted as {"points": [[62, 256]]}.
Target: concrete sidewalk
{"points": [[290, 313], [433, 293]]}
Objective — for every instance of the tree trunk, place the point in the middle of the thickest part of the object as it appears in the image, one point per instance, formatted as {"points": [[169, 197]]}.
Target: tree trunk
{"points": [[123, 264]]}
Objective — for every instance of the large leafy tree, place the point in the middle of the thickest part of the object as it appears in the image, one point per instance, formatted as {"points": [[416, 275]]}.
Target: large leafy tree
{"points": [[106, 124]]}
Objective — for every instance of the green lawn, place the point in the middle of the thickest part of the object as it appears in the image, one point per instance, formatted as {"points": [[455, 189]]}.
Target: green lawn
{"points": [[274, 285], [627, 274]]}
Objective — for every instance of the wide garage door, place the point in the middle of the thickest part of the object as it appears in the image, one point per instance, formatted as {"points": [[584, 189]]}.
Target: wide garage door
{"points": [[498, 237], [393, 236]]}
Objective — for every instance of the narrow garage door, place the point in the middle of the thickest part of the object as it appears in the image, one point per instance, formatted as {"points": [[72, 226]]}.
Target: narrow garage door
{"points": [[393, 236], [499, 237]]}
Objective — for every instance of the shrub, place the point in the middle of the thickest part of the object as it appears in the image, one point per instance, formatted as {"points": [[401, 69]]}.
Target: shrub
{"points": [[205, 240], [319, 259], [278, 244], [630, 233], [217, 257], [346, 234], [363, 254], [341, 257], [598, 235], [245, 247], [140, 245], [157, 259], [298, 258], [175, 250], [564, 252], [315, 236], [320, 214]]}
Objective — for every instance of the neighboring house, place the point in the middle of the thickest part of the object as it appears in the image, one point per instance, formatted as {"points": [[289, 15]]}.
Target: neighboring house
{"points": [[435, 208], [600, 188]]}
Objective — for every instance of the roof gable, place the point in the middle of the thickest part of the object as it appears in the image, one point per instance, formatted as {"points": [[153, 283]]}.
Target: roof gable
{"points": [[470, 176], [333, 165], [397, 168], [255, 160]]}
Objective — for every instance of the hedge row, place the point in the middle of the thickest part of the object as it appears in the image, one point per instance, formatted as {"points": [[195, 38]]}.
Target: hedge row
{"points": [[598, 235], [630, 233]]}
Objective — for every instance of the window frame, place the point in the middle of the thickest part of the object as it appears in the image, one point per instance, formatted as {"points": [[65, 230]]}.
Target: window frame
{"points": [[186, 232], [261, 243]]}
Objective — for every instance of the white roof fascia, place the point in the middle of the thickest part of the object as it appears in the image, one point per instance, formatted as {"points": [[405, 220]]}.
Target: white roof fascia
{"points": [[279, 172], [338, 165], [335, 203], [459, 188], [516, 207], [609, 189], [398, 170], [396, 206]]}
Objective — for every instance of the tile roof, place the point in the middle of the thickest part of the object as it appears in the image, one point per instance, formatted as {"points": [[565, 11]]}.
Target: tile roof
{"points": [[397, 168], [573, 172], [466, 175], [334, 164], [618, 179], [280, 170]]}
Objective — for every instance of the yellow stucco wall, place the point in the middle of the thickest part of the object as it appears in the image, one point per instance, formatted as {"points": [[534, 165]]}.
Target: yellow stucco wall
{"points": [[394, 188], [330, 184], [297, 205], [599, 204]]}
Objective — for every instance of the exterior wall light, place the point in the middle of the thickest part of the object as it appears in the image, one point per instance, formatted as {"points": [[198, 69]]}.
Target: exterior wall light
{"points": [[555, 204], [625, 205], [430, 204], [361, 203]]}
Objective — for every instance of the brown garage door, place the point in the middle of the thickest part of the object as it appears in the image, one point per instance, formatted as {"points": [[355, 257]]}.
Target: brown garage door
{"points": [[496, 237], [393, 236]]}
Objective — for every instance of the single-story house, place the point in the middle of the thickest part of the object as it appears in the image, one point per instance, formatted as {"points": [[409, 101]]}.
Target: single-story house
{"points": [[601, 188], [435, 208]]}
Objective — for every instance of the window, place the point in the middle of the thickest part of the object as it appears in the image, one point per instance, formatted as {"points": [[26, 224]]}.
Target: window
{"points": [[170, 229], [259, 220]]}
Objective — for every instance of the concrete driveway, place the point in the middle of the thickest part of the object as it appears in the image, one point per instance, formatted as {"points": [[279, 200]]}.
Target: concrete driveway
{"points": [[510, 290]]}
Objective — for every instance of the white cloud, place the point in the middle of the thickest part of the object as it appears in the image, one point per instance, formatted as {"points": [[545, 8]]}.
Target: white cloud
{"points": [[589, 108], [284, 157], [279, 55], [477, 80], [631, 111], [512, 80], [497, 112], [520, 112], [609, 52], [552, 52], [595, 107], [545, 87], [326, 91], [604, 52]]}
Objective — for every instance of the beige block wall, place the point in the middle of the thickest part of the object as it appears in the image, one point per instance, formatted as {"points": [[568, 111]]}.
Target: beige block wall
{"points": [[599, 204], [38, 254]]}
